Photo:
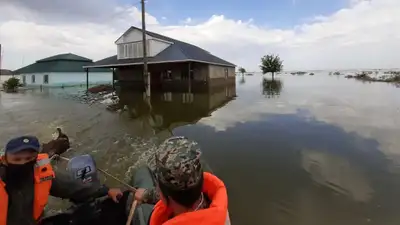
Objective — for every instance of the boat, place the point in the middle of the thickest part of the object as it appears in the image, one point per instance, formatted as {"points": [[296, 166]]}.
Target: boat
{"points": [[103, 210]]}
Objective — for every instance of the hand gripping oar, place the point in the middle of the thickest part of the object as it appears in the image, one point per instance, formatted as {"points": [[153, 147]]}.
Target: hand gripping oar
{"points": [[84, 171]]}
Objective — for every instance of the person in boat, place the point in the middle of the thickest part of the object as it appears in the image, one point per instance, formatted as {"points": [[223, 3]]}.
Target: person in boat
{"points": [[27, 180], [185, 194]]}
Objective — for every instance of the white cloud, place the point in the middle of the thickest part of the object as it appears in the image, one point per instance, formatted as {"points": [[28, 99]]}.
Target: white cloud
{"points": [[363, 35]]}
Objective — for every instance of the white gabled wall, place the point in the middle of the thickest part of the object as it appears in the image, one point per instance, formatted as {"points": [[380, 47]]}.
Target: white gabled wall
{"points": [[67, 79], [155, 46], [132, 36]]}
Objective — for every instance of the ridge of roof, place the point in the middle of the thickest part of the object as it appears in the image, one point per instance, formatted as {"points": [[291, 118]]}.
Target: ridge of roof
{"points": [[66, 57]]}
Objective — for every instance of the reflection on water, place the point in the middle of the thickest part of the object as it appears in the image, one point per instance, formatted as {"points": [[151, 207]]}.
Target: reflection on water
{"points": [[338, 174], [325, 152], [271, 87], [164, 111], [169, 110], [242, 80]]}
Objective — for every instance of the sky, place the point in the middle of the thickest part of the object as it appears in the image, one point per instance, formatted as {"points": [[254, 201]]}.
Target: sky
{"points": [[307, 34]]}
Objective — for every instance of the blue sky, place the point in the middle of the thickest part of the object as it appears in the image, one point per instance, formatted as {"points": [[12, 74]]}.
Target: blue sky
{"points": [[271, 13]]}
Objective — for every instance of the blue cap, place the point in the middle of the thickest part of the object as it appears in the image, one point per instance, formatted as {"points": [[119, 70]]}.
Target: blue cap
{"points": [[22, 143]]}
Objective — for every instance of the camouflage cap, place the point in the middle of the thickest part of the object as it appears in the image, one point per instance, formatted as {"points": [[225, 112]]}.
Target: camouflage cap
{"points": [[178, 163]]}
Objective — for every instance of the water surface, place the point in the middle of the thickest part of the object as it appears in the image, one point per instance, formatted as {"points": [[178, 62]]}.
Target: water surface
{"points": [[304, 150]]}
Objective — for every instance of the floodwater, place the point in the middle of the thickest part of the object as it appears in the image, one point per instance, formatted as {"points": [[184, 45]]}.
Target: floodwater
{"points": [[305, 150]]}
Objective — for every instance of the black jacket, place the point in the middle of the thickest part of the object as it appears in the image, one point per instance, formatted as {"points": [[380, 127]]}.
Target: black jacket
{"points": [[20, 203]]}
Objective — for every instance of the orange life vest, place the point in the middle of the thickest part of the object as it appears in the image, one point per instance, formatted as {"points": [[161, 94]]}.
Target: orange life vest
{"points": [[216, 214], [44, 175]]}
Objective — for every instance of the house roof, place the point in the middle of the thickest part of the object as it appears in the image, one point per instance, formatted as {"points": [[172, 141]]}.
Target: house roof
{"points": [[5, 72], [59, 63], [178, 51], [67, 57]]}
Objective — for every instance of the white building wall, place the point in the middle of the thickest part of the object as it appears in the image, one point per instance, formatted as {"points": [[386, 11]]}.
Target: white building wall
{"points": [[66, 79], [155, 45], [132, 36]]}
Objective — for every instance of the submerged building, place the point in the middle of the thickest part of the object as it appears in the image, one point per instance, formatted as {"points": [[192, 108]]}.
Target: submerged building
{"points": [[171, 63]]}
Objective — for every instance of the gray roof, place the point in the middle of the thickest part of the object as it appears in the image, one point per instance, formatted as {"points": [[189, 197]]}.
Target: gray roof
{"points": [[5, 72], [178, 51], [59, 63]]}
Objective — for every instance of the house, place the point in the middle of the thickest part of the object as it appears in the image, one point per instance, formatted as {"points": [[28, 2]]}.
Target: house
{"points": [[62, 70], [5, 75], [170, 62]]}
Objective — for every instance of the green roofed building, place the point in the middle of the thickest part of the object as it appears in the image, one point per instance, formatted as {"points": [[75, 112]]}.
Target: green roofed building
{"points": [[62, 70]]}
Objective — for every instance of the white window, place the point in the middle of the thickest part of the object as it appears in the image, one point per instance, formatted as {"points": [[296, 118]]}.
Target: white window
{"points": [[135, 49], [132, 50], [126, 51], [120, 51]]}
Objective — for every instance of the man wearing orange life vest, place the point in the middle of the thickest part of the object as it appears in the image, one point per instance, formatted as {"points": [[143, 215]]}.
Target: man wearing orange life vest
{"points": [[188, 195], [26, 181]]}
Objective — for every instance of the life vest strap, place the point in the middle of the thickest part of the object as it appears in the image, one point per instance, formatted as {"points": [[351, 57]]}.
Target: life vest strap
{"points": [[42, 162]]}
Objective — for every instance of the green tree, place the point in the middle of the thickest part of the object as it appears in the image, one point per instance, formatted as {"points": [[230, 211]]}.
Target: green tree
{"points": [[11, 84], [242, 70], [271, 64]]}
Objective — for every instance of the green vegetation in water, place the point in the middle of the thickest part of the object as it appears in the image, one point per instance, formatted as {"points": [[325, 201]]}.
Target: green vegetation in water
{"points": [[271, 64], [242, 70], [12, 84], [390, 77]]}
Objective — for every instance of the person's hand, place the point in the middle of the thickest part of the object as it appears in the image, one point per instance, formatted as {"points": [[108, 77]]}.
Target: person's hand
{"points": [[139, 194], [115, 194]]}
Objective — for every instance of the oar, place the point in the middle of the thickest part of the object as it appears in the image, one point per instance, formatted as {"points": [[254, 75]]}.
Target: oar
{"points": [[134, 203], [131, 212]]}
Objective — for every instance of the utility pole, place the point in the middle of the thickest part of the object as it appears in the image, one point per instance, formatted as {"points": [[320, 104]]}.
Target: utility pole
{"points": [[1, 59], [146, 75]]}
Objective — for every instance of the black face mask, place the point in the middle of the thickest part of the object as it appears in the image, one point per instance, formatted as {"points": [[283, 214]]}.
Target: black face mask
{"points": [[19, 172]]}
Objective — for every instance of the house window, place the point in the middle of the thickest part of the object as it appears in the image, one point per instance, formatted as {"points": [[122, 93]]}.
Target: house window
{"points": [[33, 79], [132, 50], [226, 73], [126, 51], [120, 51], [46, 79], [24, 79], [186, 74], [167, 75]]}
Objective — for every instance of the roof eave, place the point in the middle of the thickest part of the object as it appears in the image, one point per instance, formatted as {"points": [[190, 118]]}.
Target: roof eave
{"points": [[159, 62]]}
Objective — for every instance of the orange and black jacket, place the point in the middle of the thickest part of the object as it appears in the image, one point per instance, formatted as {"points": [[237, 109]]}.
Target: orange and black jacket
{"points": [[25, 204]]}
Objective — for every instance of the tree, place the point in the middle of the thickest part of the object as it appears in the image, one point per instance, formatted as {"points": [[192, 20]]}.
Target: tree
{"points": [[242, 70], [11, 84], [271, 64]]}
